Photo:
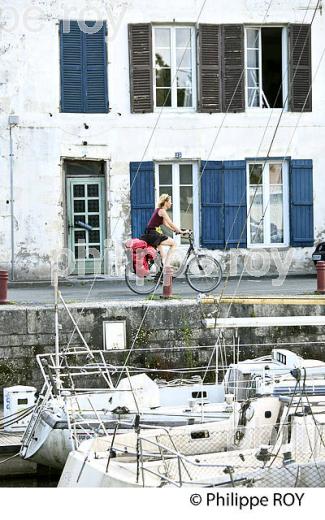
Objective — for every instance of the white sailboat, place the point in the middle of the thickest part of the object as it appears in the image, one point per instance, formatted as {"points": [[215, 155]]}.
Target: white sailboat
{"points": [[293, 457]]}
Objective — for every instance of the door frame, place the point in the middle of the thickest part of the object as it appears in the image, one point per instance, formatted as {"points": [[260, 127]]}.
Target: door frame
{"points": [[65, 178]]}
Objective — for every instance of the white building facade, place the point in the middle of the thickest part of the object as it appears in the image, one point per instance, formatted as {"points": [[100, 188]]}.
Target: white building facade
{"points": [[221, 106]]}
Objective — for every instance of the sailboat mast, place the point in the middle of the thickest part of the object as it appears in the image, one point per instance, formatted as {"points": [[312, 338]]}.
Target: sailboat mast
{"points": [[56, 326]]}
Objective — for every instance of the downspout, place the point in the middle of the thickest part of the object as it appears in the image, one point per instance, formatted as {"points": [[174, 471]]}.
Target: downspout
{"points": [[13, 121]]}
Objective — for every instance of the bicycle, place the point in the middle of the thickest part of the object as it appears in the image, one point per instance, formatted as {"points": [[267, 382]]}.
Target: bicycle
{"points": [[203, 273]]}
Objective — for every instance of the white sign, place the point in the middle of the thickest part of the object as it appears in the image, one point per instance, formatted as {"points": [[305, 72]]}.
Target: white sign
{"points": [[114, 334]]}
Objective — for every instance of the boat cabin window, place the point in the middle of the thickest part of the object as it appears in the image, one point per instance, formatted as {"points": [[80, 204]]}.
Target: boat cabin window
{"points": [[202, 434], [268, 414], [281, 358], [199, 395]]}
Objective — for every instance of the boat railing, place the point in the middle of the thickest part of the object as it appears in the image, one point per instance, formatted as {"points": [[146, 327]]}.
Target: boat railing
{"points": [[178, 469]]}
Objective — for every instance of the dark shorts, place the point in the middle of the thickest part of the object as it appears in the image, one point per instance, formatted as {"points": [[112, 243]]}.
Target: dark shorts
{"points": [[153, 238]]}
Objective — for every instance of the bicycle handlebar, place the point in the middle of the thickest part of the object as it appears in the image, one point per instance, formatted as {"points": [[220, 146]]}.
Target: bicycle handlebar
{"points": [[186, 232]]}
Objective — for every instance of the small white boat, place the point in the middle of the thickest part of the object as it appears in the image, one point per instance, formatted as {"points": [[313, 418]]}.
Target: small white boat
{"points": [[295, 458], [62, 421]]}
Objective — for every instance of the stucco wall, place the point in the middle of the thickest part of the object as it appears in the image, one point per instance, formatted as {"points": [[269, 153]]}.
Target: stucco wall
{"points": [[30, 88]]}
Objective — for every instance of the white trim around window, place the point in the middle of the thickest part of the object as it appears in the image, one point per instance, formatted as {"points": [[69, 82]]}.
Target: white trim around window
{"points": [[172, 48], [175, 188], [259, 219]]}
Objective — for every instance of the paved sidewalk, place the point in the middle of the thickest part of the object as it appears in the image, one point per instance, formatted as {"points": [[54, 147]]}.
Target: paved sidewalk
{"points": [[108, 290]]}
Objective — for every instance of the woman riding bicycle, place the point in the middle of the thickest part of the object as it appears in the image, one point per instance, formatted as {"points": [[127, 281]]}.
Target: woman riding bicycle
{"points": [[153, 234]]}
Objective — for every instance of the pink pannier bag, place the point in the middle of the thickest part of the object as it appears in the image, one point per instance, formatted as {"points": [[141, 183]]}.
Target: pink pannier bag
{"points": [[142, 255]]}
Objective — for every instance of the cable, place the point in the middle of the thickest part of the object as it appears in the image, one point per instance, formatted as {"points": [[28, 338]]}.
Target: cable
{"points": [[277, 126]]}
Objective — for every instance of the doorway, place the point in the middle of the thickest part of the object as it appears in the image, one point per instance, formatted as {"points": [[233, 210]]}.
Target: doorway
{"points": [[86, 210]]}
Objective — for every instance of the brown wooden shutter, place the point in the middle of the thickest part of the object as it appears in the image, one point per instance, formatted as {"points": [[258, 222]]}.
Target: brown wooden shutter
{"points": [[140, 57], [210, 68], [300, 98], [233, 88]]}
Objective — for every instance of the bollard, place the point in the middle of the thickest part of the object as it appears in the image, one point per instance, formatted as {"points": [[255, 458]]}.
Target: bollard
{"points": [[168, 282], [3, 287], [320, 268]]}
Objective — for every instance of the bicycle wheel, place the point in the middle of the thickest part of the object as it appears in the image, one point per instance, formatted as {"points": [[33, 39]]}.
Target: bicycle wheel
{"points": [[203, 273], [140, 284]]}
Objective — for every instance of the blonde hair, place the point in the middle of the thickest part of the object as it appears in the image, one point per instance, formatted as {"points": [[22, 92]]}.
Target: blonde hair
{"points": [[162, 199]]}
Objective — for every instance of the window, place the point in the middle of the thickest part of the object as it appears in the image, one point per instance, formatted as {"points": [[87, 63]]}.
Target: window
{"points": [[180, 181], [237, 67], [266, 67], [282, 358], [83, 67], [268, 204], [174, 63]]}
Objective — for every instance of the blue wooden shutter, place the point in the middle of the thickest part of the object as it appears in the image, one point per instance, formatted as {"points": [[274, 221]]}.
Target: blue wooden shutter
{"points": [[301, 203], [235, 203], [142, 185], [71, 68], [95, 65], [83, 68], [212, 205]]}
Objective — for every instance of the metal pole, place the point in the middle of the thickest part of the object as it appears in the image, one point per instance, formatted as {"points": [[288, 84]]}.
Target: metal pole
{"points": [[12, 223], [56, 308]]}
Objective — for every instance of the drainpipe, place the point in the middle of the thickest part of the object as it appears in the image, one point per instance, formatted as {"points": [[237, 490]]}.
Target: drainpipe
{"points": [[13, 121]]}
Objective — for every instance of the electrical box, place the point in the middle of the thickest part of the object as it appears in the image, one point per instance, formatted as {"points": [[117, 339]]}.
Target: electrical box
{"points": [[16, 399]]}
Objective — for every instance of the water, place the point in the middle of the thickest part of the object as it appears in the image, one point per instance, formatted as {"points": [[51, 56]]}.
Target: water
{"points": [[50, 480]]}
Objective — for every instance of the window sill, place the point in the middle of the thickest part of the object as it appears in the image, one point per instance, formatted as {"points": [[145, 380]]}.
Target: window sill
{"points": [[170, 110], [259, 110], [268, 246]]}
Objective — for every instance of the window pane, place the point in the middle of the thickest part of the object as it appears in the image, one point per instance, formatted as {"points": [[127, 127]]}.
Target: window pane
{"points": [[79, 218], [94, 251], [94, 236], [92, 190], [276, 214], [162, 37], [79, 206], [253, 98], [163, 97], [80, 252], [252, 58], [185, 174], [255, 173], [275, 173], [186, 206], [163, 58], [184, 78], [256, 215], [93, 206], [79, 235], [253, 80], [165, 175], [93, 220], [183, 37], [252, 38], [163, 78], [183, 58], [79, 190], [184, 98], [166, 189]]}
